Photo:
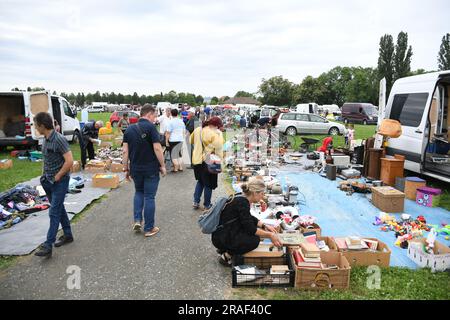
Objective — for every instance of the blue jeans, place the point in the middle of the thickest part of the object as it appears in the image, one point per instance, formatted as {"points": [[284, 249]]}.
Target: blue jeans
{"points": [[146, 186], [198, 194], [56, 193]]}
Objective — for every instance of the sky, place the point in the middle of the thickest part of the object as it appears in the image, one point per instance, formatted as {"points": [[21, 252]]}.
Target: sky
{"points": [[207, 47]]}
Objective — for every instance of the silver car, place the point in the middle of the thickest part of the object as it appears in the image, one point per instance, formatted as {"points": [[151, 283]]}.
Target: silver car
{"points": [[294, 123]]}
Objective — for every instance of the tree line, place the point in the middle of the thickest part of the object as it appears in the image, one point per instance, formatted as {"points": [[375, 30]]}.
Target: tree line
{"points": [[352, 84], [336, 86]]}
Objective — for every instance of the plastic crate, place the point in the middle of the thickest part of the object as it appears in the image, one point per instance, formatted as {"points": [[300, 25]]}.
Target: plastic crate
{"points": [[264, 279]]}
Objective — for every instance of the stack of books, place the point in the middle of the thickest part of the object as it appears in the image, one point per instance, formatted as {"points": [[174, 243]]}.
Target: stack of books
{"points": [[308, 256], [356, 243]]}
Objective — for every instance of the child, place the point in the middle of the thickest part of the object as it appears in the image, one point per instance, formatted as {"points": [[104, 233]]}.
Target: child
{"points": [[124, 123], [346, 134], [350, 134]]}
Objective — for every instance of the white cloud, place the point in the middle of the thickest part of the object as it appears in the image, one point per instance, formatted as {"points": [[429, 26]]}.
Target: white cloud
{"points": [[205, 47]]}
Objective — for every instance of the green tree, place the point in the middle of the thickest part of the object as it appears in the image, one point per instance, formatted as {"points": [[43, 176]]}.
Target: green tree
{"points": [[135, 98], [97, 97], [386, 61], [199, 100], [120, 98], [444, 53], [363, 87], [240, 94], [112, 98], [214, 100], [276, 91], [128, 99], [402, 57], [89, 98]]}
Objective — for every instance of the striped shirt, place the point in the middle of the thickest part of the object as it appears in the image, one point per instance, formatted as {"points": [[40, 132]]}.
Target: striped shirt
{"points": [[53, 150]]}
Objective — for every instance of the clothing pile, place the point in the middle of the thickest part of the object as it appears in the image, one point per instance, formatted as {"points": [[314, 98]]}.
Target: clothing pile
{"points": [[75, 184], [16, 204]]}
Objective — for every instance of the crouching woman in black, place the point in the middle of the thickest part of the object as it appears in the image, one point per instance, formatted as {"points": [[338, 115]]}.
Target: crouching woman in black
{"points": [[240, 232]]}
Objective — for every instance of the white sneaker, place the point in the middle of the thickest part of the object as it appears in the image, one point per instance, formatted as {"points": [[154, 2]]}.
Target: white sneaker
{"points": [[137, 227]]}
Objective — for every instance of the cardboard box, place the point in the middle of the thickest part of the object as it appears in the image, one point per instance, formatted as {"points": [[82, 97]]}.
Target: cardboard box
{"points": [[117, 167], [388, 199], [324, 279], [106, 137], [95, 166], [265, 250], [76, 167], [439, 261], [6, 164], [381, 257], [313, 228], [329, 242], [110, 181]]}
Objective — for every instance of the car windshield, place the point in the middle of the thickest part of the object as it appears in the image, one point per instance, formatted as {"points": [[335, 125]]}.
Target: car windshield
{"points": [[370, 110]]}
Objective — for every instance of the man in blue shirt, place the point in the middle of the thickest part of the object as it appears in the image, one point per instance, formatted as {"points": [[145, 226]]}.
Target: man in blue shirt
{"points": [[143, 160]]}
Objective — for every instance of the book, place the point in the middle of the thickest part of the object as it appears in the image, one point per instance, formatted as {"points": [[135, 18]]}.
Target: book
{"points": [[279, 269], [353, 245], [301, 263], [372, 244], [291, 239], [322, 245], [310, 237], [310, 250], [341, 244], [309, 259]]}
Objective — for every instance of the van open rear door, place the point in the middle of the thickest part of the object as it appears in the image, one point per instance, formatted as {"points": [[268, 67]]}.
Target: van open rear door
{"points": [[38, 102]]}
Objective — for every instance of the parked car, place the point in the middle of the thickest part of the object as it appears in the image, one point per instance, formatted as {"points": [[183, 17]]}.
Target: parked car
{"points": [[294, 123], [17, 110], [421, 105], [93, 109], [133, 117], [364, 113]]}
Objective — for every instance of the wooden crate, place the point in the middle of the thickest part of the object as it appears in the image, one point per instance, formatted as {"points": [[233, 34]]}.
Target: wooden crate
{"points": [[388, 199], [411, 185], [391, 169]]}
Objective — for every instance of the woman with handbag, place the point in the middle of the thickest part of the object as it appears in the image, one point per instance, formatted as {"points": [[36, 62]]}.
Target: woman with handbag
{"points": [[208, 144], [240, 232]]}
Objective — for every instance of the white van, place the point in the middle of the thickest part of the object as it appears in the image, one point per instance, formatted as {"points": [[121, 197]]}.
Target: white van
{"points": [[162, 106], [17, 110], [332, 109], [312, 108], [421, 104], [95, 109]]}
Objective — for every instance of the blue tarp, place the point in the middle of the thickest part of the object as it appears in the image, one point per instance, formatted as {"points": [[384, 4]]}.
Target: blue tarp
{"points": [[342, 215]]}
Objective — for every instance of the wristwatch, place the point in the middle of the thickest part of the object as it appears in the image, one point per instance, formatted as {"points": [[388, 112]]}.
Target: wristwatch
{"points": [[263, 226]]}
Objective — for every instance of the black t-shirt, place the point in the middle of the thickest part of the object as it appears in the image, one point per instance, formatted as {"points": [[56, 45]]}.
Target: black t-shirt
{"points": [[142, 156]]}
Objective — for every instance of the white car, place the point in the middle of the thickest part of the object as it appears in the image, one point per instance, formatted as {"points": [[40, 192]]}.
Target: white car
{"points": [[93, 109], [294, 123]]}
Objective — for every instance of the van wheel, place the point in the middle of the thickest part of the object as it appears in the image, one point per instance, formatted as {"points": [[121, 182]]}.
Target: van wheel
{"points": [[364, 122], [291, 131], [333, 131], [115, 124]]}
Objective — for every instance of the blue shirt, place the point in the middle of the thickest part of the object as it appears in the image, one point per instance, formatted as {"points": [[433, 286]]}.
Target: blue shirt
{"points": [[176, 128], [142, 156]]}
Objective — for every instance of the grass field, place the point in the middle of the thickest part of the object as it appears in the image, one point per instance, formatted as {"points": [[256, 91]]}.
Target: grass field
{"points": [[24, 170], [396, 284]]}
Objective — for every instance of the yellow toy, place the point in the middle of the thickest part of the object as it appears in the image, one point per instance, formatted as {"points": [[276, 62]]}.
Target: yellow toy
{"points": [[106, 130]]}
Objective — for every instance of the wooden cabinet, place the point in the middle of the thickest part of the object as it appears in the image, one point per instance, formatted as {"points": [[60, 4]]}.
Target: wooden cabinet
{"points": [[391, 168]]}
